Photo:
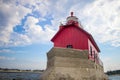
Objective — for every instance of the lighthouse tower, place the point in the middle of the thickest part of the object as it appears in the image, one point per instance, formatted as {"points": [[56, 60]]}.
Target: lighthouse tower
{"points": [[75, 55]]}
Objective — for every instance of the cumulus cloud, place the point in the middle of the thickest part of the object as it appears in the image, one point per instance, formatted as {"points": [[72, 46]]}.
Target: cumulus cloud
{"points": [[35, 32], [10, 16], [102, 19], [12, 13], [99, 17]]}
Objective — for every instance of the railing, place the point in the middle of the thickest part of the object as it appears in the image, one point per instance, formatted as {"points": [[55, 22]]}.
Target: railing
{"points": [[100, 62], [94, 57], [65, 23]]}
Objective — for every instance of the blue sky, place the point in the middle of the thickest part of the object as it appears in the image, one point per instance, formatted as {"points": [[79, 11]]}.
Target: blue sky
{"points": [[26, 27]]}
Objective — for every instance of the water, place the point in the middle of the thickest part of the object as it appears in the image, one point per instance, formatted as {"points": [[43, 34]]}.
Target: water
{"points": [[19, 76], [114, 77], [32, 76]]}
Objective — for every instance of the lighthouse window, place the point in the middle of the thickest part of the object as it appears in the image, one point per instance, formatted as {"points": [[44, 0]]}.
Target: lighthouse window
{"points": [[69, 46], [94, 56], [90, 50]]}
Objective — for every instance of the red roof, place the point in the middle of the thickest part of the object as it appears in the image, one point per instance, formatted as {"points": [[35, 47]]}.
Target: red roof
{"points": [[89, 35]]}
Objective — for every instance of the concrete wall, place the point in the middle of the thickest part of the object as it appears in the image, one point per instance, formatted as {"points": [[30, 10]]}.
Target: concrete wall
{"points": [[71, 64]]}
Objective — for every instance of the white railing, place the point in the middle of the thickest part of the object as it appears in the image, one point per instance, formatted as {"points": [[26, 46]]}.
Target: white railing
{"points": [[95, 58], [100, 62]]}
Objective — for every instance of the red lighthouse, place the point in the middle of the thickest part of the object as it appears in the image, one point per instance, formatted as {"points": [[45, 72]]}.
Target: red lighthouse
{"points": [[72, 35], [74, 55]]}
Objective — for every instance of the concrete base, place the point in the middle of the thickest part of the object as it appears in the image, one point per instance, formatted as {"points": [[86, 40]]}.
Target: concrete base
{"points": [[71, 64]]}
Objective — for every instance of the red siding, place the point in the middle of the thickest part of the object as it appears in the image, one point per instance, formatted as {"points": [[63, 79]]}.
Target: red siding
{"points": [[73, 36]]}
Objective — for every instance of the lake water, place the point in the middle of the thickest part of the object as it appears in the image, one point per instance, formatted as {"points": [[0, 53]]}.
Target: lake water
{"points": [[115, 77], [33, 76], [19, 76]]}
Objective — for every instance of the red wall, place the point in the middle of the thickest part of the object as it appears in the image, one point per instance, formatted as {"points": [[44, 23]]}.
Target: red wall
{"points": [[73, 36]]}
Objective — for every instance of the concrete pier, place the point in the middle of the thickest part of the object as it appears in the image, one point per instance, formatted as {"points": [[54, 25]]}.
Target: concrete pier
{"points": [[71, 64]]}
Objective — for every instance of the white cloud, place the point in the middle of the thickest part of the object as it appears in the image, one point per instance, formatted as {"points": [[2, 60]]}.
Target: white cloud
{"points": [[102, 20], [35, 32], [99, 17], [6, 58], [10, 16]]}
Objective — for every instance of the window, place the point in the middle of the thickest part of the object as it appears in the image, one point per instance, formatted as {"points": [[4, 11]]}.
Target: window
{"points": [[94, 56], [69, 46], [90, 50]]}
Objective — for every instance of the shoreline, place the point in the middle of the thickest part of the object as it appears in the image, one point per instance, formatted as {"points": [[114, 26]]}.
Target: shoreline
{"points": [[114, 75], [19, 72]]}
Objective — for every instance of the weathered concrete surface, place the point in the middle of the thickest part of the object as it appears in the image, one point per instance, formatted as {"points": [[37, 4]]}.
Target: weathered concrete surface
{"points": [[71, 64]]}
